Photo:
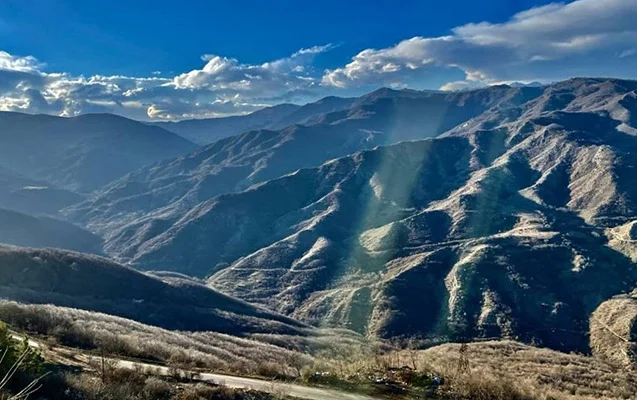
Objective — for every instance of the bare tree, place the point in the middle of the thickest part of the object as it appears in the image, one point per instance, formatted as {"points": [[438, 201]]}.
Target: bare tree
{"points": [[30, 389]]}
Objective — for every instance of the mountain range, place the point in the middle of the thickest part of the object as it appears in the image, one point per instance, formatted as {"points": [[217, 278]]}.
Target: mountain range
{"points": [[82, 153], [132, 209], [206, 131], [498, 226], [501, 212]]}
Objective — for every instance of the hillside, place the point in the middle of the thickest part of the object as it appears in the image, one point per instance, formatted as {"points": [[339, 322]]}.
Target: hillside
{"points": [[208, 130], [82, 153], [32, 197], [40, 231], [96, 284], [503, 221], [138, 206]]}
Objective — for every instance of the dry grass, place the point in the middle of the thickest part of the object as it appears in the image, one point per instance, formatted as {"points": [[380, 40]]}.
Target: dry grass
{"points": [[135, 385], [613, 329], [502, 370], [541, 372], [285, 355]]}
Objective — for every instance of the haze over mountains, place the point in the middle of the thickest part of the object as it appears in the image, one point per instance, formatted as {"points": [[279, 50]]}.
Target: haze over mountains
{"points": [[170, 189], [206, 131], [498, 212], [82, 153]]}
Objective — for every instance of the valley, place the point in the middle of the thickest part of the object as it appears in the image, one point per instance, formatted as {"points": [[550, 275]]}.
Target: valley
{"points": [[393, 224]]}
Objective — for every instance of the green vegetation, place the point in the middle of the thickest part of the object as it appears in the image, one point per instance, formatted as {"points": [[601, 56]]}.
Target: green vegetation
{"points": [[30, 361], [19, 367]]}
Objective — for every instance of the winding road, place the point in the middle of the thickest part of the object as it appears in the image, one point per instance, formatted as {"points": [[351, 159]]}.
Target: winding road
{"points": [[235, 382]]}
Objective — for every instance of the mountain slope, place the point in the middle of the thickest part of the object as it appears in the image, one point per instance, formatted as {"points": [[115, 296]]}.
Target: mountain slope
{"points": [[32, 197], [497, 229], [140, 205], [208, 130], [25, 230], [82, 153], [307, 114], [97, 284]]}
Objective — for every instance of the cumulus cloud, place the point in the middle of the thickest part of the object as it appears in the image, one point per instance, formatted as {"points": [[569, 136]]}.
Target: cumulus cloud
{"points": [[274, 77], [556, 41], [224, 86], [9, 62], [585, 37]]}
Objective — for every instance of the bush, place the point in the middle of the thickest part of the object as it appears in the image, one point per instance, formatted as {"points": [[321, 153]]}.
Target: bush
{"points": [[477, 386], [204, 392], [156, 389]]}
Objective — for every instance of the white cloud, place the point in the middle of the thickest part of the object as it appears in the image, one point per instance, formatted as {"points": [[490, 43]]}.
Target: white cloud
{"points": [[555, 41], [223, 73], [628, 53], [223, 86], [9, 62]]}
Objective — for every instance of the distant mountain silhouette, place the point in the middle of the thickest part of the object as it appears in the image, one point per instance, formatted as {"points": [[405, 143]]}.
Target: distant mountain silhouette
{"points": [[25, 230], [208, 130], [82, 153], [33, 197]]}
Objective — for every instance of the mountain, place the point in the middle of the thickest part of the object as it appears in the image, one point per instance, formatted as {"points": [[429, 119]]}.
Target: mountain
{"points": [[141, 205], [512, 224], [306, 114], [30, 231], [92, 283], [83, 153], [33, 197], [207, 130]]}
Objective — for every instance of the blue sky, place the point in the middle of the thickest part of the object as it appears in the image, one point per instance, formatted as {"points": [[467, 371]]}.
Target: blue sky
{"points": [[175, 60], [93, 37]]}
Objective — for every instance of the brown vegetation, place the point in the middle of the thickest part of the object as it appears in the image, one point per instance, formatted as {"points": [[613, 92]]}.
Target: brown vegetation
{"points": [[613, 330], [258, 355]]}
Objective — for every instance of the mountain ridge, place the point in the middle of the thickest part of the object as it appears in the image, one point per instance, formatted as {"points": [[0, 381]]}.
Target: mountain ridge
{"points": [[85, 152], [513, 243], [70, 279], [171, 188]]}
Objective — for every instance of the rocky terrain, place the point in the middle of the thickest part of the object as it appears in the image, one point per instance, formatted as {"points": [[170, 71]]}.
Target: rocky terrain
{"points": [[131, 210], [504, 212], [498, 228]]}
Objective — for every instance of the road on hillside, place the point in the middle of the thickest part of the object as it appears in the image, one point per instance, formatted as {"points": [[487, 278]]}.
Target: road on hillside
{"points": [[235, 382]]}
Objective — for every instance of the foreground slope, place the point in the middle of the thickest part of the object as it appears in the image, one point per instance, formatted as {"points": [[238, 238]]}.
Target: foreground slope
{"points": [[92, 283], [497, 229], [82, 153]]}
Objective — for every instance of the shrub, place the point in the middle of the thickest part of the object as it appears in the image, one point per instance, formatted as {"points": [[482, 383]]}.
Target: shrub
{"points": [[156, 389]]}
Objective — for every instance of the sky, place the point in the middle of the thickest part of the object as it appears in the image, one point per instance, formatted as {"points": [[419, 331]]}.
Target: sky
{"points": [[161, 60]]}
